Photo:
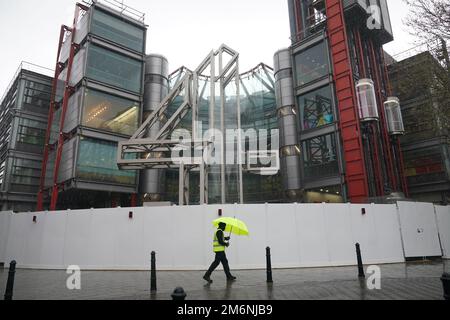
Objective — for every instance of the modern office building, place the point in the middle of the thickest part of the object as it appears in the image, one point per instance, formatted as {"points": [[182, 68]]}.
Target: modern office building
{"points": [[23, 122], [329, 97], [421, 83], [334, 106], [97, 101]]}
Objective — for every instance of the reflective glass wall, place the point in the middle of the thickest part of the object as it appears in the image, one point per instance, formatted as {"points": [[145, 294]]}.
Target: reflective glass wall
{"points": [[110, 113], [320, 157], [312, 64], [258, 112], [114, 69], [316, 108], [117, 30], [97, 163]]}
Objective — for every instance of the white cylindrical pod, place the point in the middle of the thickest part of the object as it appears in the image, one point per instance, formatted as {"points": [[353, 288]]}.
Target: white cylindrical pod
{"points": [[394, 119], [367, 101]]}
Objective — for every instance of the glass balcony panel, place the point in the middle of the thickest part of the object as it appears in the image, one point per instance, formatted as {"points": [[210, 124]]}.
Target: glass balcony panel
{"points": [[97, 163], [110, 113], [114, 69], [118, 31]]}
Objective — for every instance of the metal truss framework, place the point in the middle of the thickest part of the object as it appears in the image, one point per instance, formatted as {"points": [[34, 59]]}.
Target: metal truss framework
{"points": [[155, 152]]}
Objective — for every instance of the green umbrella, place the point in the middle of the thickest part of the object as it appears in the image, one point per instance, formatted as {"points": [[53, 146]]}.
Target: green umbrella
{"points": [[234, 226]]}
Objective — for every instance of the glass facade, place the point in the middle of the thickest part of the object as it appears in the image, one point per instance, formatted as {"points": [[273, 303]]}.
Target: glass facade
{"points": [[110, 113], [316, 108], [117, 30], [114, 69], [320, 157], [424, 165], [97, 163], [25, 175], [312, 64], [258, 111], [326, 194], [31, 133], [36, 97]]}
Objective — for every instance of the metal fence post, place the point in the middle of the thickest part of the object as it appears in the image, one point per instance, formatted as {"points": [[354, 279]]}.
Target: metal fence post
{"points": [[360, 263], [153, 273], [269, 265], [10, 283]]}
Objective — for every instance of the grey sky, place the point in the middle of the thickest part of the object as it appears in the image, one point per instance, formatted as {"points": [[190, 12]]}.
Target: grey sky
{"points": [[182, 30]]}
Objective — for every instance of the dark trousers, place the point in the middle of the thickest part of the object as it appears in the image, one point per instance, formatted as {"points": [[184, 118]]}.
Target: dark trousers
{"points": [[221, 257]]}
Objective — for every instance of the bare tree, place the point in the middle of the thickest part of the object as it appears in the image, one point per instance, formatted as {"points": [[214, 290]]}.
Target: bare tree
{"points": [[429, 19]]}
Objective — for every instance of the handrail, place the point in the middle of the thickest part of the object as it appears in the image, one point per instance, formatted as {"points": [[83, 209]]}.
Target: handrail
{"points": [[28, 66], [121, 7]]}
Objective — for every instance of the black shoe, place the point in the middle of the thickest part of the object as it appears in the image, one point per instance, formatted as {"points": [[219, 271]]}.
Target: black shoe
{"points": [[231, 279], [208, 279]]}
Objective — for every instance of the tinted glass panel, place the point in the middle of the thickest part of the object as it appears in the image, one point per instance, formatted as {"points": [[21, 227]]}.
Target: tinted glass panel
{"points": [[25, 176], [114, 69], [320, 157], [97, 162], [316, 108], [36, 97], [117, 30], [110, 113], [311, 64], [31, 135]]}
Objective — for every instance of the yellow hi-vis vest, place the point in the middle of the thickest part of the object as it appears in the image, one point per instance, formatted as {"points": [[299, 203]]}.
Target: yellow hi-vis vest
{"points": [[217, 247]]}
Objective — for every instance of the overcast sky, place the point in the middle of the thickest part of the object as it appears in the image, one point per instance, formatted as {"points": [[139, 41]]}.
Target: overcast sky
{"points": [[184, 31]]}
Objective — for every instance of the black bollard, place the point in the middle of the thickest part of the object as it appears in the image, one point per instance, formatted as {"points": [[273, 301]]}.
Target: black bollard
{"points": [[179, 294], [446, 285], [153, 273], [269, 266], [360, 263], [10, 283]]}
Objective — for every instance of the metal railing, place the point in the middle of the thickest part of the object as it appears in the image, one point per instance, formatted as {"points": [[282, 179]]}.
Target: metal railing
{"points": [[121, 7], [28, 66], [430, 46]]}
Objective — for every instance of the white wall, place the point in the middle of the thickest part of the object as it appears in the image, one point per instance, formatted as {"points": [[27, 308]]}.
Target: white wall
{"points": [[306, 235], [5, 218], [443, 223], [419, 229]]}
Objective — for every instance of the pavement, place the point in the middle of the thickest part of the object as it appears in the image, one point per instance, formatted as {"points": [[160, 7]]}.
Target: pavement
{"points": [[408, 281]]}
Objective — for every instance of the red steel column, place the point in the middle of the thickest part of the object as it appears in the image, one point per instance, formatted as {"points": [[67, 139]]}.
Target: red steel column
{"points": [[401, 164], [58, 69], [298, 20], [356, 175], [68, 90], [384, 133]]}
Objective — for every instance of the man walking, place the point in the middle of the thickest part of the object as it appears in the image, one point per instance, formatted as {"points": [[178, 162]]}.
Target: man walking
{"points": [[219, 246]]}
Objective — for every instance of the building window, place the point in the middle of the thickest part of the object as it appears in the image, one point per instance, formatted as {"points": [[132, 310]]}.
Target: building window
{"points": [[326, 194], [36, 97], [110, 113], [424, 166], [2, 171], [97, 162], [312, 64], [118, 31], [316, 108], [114, 69], [320, 157], [25, 175], [31, 132]]}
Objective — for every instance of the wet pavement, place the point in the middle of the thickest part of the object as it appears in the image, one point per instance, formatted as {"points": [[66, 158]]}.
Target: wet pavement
{"points": [[411, 281]]}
